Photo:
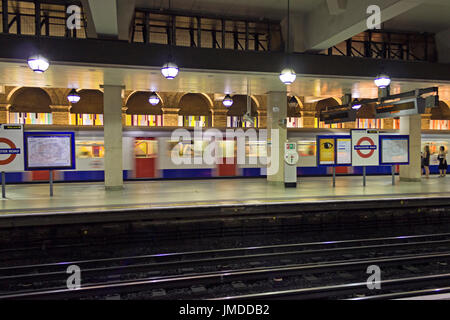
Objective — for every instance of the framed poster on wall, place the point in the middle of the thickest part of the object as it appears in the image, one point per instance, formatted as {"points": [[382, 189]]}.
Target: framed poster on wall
{"points": [[49, 150], [394, 149], [334, 150]]}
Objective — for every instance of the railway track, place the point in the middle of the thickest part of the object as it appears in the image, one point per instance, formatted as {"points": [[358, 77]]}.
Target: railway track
{"points": [[300, 270]]}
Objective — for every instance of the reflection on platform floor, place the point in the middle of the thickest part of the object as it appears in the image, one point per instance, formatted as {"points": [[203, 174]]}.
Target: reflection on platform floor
{"points": [[28, 198]]}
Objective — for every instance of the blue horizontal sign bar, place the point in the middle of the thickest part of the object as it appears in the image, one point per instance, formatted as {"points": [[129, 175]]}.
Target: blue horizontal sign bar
{"points": [[10, 151], [365, 147]]}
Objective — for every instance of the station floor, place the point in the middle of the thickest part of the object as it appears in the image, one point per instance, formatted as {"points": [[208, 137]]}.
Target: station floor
{"points": [[25, 199]]}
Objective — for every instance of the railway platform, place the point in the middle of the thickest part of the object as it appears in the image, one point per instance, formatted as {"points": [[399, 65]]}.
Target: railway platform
{"points": [[206, 198]]}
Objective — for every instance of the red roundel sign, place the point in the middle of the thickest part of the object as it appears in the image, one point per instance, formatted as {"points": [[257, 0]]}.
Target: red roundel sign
{"points": [[12, 156], [365, 150]]}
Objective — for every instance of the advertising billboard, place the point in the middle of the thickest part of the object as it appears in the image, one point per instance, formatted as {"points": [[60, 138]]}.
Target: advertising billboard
{"points": [[326, 151]]}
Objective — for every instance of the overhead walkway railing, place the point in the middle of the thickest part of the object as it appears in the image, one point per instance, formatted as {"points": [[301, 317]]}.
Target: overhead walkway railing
{"points": [[151, 26], [382, 44], [39, 19]]}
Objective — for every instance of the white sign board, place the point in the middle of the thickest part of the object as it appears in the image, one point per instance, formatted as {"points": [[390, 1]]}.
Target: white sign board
{"points": [[11, 148], [365, 148], [344, 151], [395, 151]]}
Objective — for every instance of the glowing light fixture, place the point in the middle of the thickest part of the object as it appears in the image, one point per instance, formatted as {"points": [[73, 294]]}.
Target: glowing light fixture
{"points": [[287, 76], [153, 99], [382, 81], [38, 63], [356, 104], [169, 70], [227, 101], [73, 96]]}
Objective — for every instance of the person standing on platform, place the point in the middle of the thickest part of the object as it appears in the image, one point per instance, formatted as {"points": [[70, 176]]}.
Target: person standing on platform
{"points": [[426, 161], [442, 157]]}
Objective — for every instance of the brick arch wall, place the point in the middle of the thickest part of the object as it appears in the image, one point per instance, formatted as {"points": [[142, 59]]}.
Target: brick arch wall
{"points": [[194, 104], [137, 103], [239, 107], [30, 99], [91, 102]]}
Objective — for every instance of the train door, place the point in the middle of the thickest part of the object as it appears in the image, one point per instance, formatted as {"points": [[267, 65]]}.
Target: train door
{"points": [[228, 167], [146, 152]]}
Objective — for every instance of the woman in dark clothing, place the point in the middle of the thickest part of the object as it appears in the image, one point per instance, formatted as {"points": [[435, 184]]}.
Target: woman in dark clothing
{"points": [[426, 160], [442, 157]]}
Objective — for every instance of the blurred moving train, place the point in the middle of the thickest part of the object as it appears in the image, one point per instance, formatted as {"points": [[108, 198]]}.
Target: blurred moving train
{"points": [[146, 155]]}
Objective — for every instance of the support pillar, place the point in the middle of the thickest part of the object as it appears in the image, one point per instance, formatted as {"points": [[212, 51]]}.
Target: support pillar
{"points": [[262, 118], [276, 113], [219, 117], [60, 115], [4, 113], [426, 121], [411, 125], [112, 126], [388, 123], [170, 116], [124, 116]]}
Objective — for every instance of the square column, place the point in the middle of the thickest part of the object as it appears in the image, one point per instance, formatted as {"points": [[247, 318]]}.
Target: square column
{"points": [[411, 125], [4, 113], [170, 116], [276, 135], [219, 117], [112, 126], [60, 115]]}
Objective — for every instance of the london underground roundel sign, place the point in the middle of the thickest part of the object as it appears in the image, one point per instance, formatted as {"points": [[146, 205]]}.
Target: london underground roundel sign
{"points": [[11, 148], [365, 147], [12, 151], [365, 151]]}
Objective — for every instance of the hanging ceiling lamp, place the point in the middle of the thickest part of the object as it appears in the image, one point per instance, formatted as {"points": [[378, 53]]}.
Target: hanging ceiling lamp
{"points": [[170, 69], [153, 99], [38, 63], [382, 81], [356, 104], [227, 101], [73, 96], [287, 75]]}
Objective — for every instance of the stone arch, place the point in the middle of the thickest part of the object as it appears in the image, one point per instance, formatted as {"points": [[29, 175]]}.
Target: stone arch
{"points": [[195, 104], [325, 103], [137, 103], [29, 99], [91, 102], [239, 107], [294, 112], [442, 112]]}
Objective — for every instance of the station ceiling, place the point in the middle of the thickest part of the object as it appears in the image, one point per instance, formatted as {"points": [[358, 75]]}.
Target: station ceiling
{"points": [[312, 88]]}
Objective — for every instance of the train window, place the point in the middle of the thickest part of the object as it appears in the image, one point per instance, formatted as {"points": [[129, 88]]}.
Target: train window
{"points": [[89, 149], [306, 148], [146, 148], [187, 149], [255, 149], [227, 148], [434, 149]]}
